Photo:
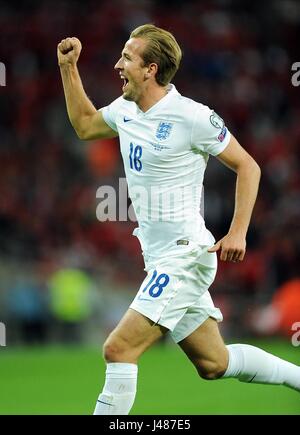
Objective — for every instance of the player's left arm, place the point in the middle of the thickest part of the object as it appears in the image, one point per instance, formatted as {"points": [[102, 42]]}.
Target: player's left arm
{"points": [[233, 245]]}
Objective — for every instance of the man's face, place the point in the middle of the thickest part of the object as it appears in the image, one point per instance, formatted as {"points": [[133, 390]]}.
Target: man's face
{"points": [[131, 69]]}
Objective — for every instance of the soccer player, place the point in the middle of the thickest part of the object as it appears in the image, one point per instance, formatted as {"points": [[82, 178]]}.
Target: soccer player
{"points": [[165, 142]]}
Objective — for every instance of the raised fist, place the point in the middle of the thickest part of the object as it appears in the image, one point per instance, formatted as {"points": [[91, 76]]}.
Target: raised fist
{"points": [[68, 51]]}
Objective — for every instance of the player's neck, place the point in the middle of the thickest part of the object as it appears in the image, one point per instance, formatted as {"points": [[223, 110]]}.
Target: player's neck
{"points": [[151, 96]]}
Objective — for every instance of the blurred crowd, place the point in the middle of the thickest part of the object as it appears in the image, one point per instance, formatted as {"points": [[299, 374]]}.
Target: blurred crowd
{"points": [[237, 60]]}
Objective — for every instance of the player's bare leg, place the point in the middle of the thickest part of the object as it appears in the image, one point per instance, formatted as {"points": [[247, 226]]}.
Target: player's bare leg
{"points": [[134, 334], [213, 360], [206, 350]]}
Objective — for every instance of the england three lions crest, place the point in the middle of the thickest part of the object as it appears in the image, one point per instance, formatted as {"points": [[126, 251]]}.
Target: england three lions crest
{"points": [[163, 130]]}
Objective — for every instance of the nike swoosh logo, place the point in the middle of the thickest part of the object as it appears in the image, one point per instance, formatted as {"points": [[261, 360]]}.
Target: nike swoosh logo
{"points": [[108, 404], [252, 378], [144, 299], [127, 119]]}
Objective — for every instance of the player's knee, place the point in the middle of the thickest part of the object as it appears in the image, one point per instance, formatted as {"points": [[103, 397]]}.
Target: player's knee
{"points": [[211, 370], [116, 350], [112, 350]]}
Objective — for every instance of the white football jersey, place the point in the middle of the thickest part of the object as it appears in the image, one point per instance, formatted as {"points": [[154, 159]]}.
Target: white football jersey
{"points": [[165, 152]]}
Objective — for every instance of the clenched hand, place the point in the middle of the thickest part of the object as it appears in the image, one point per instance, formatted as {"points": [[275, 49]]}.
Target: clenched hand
{"points": [[68, 51]]}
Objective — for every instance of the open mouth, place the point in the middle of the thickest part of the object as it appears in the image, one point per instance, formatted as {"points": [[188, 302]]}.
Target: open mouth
{"points": [[126, 81]]}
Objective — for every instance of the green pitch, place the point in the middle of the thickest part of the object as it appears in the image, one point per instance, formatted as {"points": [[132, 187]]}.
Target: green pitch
{"points": [[68, 380]]}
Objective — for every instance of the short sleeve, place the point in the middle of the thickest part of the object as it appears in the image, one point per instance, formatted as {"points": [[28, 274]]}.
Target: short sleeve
{"points": [[209, 133], [110, 113]]}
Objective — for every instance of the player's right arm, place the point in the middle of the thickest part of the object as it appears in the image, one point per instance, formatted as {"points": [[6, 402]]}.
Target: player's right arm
{"points": [[86, 120]]}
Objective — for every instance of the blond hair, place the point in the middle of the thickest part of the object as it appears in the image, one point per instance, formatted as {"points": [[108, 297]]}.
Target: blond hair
{"points": [[162, 49]]}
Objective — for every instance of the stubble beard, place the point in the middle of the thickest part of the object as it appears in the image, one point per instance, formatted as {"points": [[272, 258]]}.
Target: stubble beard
{"points": [[127, 97], [131, 95]]}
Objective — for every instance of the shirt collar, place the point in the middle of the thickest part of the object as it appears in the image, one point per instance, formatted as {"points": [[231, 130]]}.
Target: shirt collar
{"points": [[171, 91]]}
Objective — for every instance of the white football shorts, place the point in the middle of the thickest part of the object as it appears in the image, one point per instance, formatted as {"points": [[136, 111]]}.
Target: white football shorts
{"points": [[175, 292]]}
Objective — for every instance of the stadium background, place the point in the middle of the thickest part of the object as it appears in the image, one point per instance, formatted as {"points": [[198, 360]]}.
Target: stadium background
{"points": [[65, 278]]}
